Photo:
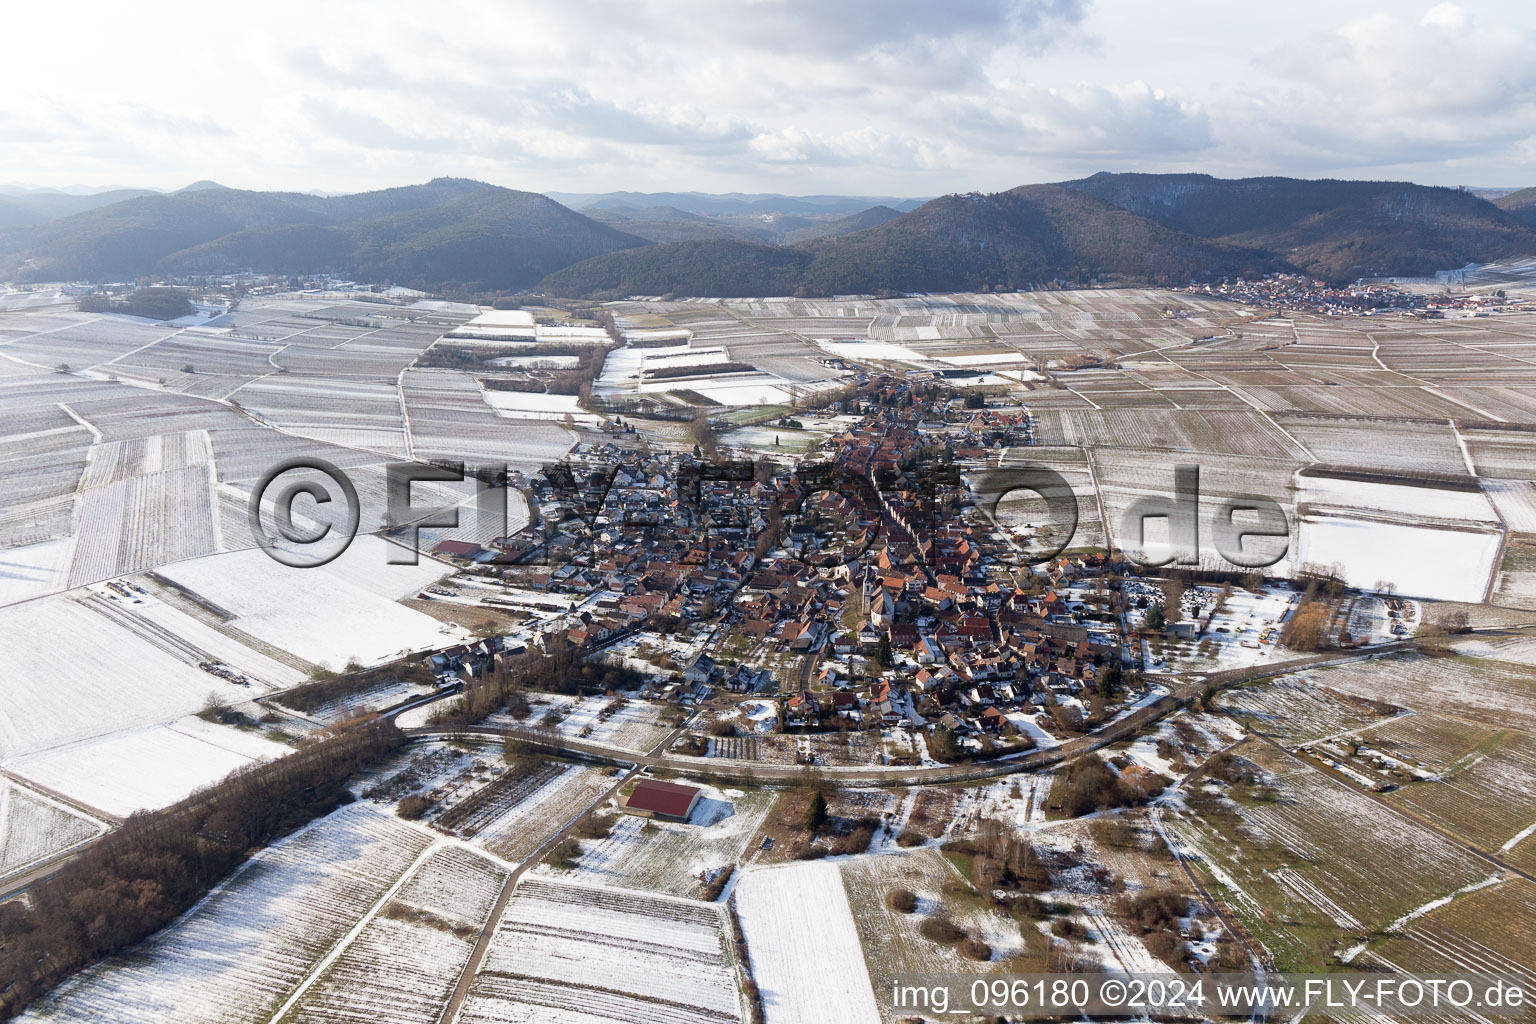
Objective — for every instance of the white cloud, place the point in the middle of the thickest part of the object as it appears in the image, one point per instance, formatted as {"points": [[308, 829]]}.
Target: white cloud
{"points": [[889, 96]]}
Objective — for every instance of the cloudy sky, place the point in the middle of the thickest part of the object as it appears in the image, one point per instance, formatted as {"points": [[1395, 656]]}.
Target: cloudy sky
{"points": [[901, 97]]}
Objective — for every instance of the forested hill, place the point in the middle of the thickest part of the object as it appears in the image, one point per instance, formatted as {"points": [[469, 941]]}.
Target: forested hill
{"points": [[449, 233]]}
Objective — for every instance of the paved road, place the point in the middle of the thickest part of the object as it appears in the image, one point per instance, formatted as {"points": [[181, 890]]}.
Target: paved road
{"points": [[1182, 695]]}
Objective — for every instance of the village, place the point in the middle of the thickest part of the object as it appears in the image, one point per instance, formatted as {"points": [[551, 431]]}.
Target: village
{"points": [[776, 597]]}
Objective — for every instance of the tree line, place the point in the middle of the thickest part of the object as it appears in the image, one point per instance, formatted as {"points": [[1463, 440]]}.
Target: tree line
{"points": [[141, 877]]}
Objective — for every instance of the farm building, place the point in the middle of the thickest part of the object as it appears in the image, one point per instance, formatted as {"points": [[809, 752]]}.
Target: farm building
{"points": [[665, 800]]}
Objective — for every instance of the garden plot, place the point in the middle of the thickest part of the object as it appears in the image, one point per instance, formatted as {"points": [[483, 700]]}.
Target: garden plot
{"points": [[317, 615], [106, 677], [401, 968], [1303, 869], [616, 721], [671, 857], [34, 827], [147, 768], [806, 975], [239, 953], [1488, 690], [891, 940], [1292, 709], [574, 954], [523, 821], [1243, 633]]}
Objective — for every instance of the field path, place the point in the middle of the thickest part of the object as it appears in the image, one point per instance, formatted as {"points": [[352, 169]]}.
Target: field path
{"points": [[488, 931]]}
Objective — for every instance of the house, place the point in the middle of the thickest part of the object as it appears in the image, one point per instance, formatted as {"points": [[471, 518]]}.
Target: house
{"points": [[700, 671], [652, 798], [742, 679], [456, 549]]}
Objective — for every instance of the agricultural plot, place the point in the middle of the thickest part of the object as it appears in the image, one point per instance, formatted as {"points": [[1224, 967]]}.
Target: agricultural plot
{"points": [[238, 954], [402, 966], [1514, 585], [671, 857], [1484, 796], [1483, 931], [1486, 689], [1294, 710], [34, 827], [523, 818], [317, 615], [106, 678], [1376, 445], [357, 413], [892, 941], [1302, 881], [449, 418], [1237, 432], [578, 954], [805, 975], [147, 768], [143, 503], [1126, 475]]}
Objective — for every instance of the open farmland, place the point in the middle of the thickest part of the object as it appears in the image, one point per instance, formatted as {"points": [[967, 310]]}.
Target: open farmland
{"points": [[34, 827], [1488, 689], [317, 615], [805, 975], [402, 966], [107, 678], [239, 953], [1300, 880], [147, 768], [577, 954], [672, 857], [1484, 931], [1484, 796], [1293, 710]]}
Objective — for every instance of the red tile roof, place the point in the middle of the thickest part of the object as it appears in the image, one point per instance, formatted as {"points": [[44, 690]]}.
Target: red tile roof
{"points": [[662, 798]]}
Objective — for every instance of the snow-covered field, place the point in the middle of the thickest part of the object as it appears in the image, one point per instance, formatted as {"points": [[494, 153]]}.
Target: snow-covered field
{"points": [[1429, 542], [322, 617], [524, 825], [73, 674], [631, 725], [402, 966], [1448, 565], [34, 827], [808, 963], [571, 954], [144, 769], [669, 857], [530, 405], [239, 953]]}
